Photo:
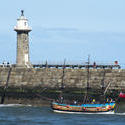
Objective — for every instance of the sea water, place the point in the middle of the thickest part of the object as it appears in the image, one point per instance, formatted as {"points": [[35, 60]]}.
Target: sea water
{"points": [[13, 114]]}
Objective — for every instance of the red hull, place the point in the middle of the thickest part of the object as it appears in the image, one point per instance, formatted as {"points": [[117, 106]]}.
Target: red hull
{"points": [[122, 95]]}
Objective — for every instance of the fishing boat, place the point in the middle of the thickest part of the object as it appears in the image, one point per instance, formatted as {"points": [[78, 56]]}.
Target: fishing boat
{"points": [[83, 108], [61, 106]]}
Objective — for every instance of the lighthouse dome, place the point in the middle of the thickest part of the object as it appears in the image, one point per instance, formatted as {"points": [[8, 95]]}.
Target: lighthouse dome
{"points": [[22, 23]]}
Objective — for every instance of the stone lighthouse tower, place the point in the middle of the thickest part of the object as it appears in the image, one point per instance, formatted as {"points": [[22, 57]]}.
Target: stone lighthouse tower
{"points": [[22, 28]]}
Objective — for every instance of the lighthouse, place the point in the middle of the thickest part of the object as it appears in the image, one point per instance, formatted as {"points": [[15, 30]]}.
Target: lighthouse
{"points": [[22, 28]]}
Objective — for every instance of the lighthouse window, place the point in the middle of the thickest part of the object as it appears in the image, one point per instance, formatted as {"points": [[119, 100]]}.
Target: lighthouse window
{"points": [[25, 38], [25, 23]]}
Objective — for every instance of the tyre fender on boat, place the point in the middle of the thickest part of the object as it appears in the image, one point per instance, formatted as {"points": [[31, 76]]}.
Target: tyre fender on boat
{"points": [[109, 107], [84, 108], [98, 108], [67, 106]]}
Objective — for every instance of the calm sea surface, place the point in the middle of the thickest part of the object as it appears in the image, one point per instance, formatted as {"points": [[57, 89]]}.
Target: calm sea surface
{"points": [[29, 115]]}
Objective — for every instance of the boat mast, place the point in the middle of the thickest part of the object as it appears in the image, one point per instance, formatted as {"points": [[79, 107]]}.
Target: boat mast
{"points": [[102, 82], [62, 84], [88, 73], [88, 77]]}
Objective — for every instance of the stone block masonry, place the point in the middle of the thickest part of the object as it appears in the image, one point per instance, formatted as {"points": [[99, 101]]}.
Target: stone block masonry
{"points": [[52, 77]]}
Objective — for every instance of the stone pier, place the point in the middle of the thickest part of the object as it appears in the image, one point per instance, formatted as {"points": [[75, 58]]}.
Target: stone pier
{"points": [[73, 78]]}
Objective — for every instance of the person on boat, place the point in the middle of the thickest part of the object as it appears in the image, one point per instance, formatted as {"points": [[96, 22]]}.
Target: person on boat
{"points": [[93, 101], [107, 100], [61, 99], [75, 102], [111, 100]]}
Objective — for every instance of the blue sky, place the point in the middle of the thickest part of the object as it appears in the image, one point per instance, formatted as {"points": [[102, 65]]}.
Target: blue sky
{"points": [[69, 29]]}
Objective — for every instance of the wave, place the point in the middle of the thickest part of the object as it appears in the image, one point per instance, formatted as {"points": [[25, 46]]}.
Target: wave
{"points": [[123, 113], [12, 105]]}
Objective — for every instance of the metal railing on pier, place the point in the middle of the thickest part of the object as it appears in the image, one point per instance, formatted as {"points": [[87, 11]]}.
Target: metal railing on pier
{"points": [[70, 66], [76, 66]]}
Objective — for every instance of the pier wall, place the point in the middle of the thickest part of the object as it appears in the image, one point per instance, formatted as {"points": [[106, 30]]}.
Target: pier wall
{"points": [[52, 77]]}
